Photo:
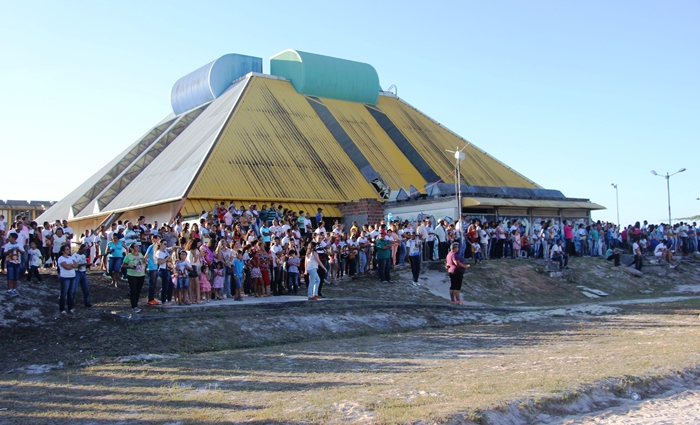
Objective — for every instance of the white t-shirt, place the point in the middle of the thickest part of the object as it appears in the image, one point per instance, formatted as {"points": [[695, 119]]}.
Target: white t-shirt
{"points": [[556, 249], [65, 260], [3, 226], [483, 236], [80, 259], [58, 242], [45, 234], [274, 249], [659, 250], [161, 255], [34, 257], [9, 247]]}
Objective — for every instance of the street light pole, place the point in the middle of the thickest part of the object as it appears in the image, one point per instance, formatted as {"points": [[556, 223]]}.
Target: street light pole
{"points": [[668, 188], [617, 203], [459, 156]]}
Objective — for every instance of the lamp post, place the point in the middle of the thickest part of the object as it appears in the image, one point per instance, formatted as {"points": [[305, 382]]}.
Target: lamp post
{"points": [[459, 157], [617, 202], [668, 188]]}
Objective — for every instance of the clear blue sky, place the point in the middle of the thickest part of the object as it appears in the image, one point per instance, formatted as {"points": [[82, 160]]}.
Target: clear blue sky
{"points": [[575, 95]]}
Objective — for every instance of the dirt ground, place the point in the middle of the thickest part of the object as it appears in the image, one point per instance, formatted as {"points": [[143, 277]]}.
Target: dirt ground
{"points": [[368, 353]]}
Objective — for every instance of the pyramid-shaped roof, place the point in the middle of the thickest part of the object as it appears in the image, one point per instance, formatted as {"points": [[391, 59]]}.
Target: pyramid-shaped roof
{"points": [[261, 140]]}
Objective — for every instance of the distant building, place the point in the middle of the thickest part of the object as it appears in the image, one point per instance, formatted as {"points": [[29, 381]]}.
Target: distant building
{"points": [[11, 209], [317, 132]]}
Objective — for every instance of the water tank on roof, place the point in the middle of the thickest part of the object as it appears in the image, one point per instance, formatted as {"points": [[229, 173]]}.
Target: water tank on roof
{"points": [[210, 81], [324, 76]]}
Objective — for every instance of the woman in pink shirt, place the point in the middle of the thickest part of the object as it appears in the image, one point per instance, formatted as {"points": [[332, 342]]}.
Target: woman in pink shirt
{"points": [[455, 268]]}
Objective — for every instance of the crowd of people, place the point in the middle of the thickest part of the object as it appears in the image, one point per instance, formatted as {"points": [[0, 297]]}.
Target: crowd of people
{"points": [[235, 251], [546, 240]]}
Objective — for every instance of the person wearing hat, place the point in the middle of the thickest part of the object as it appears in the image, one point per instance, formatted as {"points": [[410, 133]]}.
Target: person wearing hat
{"points": [[455, 268]]}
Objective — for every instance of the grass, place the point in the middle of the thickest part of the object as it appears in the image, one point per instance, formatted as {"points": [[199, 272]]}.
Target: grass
{"points": [[428, 374], [372, 354]]}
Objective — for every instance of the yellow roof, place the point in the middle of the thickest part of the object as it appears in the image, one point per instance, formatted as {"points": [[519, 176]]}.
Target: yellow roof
{"points": [[431, 139], [375, 144], [530, 203], [276, 147]]}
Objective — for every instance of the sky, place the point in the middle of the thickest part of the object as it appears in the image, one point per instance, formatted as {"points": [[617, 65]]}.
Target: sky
{"points": [[575, 95]]}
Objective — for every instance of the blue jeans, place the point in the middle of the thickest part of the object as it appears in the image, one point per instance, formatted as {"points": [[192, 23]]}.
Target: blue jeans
{"points": [[227, 281], [13, 271], [67, 293], [293, 282], [314, 281], [363, 262], [402, 253], [166, 291], [152, 283], [383, 264], [81, 279]]}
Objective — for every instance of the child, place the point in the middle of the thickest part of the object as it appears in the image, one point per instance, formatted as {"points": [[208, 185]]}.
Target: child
{"points": [[238, 265], [204, 285], [277, 286], [35, 261], [293, 272], [13, 257], [219, 276], [477, 253], [182, 268]]}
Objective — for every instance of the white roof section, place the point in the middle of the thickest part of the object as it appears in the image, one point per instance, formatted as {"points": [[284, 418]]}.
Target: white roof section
{"points": [[168, 175], [62, 209]]}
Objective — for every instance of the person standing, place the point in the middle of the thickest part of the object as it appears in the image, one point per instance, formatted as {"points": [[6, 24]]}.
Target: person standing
{"points": [[455, 269], [135, 265], [13, 255], [441, 236], [413, 248], [637, 251], [162, 258], [383, 248], [115, 250], [152, 269], [311, 265], [66, 274], [81, 275], [569, 237]]}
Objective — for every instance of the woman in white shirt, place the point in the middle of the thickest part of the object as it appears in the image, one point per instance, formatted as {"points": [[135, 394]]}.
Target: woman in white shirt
{"points": [[66, 274], [59, 239], [193, 256], [313, 262]]}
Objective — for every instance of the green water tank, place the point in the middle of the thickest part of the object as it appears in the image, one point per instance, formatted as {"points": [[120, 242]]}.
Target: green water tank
{"points": [[325, 76]]}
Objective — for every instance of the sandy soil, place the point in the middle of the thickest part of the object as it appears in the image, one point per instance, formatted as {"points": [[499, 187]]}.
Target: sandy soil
{"points": [[677, 407]]}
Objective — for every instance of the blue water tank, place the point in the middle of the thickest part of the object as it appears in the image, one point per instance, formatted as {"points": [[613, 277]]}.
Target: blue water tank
{"points": [[210, 81]]}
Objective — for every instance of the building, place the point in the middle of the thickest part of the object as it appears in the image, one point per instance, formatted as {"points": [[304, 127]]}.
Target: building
{"points": [[316, 132], [11, 209]]}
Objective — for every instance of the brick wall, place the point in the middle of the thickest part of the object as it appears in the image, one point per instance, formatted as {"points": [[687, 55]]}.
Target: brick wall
{"points": [[364, 211]]}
